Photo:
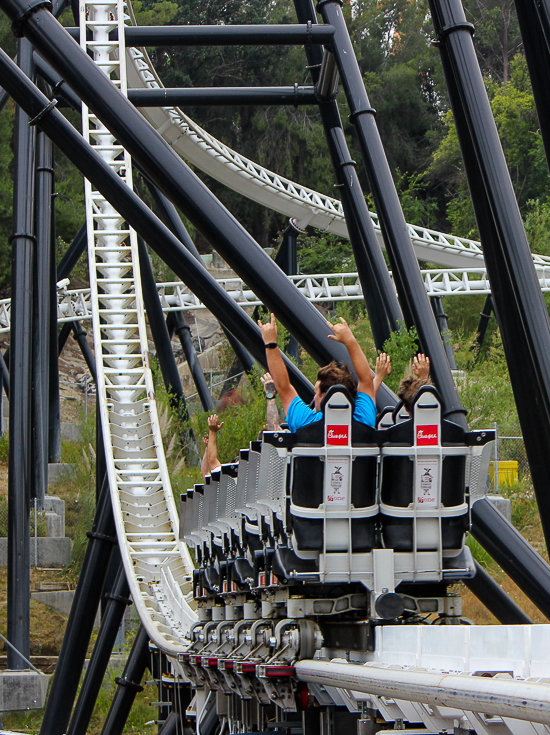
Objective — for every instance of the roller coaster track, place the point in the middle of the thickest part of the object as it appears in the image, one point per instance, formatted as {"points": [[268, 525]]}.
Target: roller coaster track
{"points": [[157, 564]]}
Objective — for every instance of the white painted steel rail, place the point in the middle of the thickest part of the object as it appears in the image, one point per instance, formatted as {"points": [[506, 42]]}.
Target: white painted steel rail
{"points": [[157, 564], [504, 697]]}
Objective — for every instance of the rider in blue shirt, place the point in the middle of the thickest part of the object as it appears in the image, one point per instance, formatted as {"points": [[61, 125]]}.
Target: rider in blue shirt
{"points": [[364, 391]]}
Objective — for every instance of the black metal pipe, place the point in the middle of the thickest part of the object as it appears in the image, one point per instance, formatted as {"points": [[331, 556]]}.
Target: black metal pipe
{"points": [[171, 725], [533, 20], [406, 273], [128, 685], [85, 349], [495, 599], [519, 305], [5, 375], [41, 317], [165, 168], [287, 260], [73, 253], [112, 617], [54, 411], [63, 336], [62, 91], [443, 325], [196, 96], [378, 290], [190, 270], [512, 552], [226, 35], [183, 332], [165, 354], [19, 479], [86, 600], [484, 318]]}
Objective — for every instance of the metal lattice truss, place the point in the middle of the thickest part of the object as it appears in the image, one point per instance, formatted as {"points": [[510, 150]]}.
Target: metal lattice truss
{"points": [[157, 565], [75, 305]]}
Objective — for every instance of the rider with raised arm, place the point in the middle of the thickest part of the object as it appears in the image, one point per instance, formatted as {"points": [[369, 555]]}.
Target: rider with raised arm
{"points": [[297, 413]]}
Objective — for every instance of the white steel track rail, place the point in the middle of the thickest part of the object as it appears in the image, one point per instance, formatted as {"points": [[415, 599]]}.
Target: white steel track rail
{"points": [[157, 564], [306, 206], [75, 305]]}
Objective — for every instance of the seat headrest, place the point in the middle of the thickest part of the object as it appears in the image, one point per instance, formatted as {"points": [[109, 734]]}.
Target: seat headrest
{"points": [[337, 389]]}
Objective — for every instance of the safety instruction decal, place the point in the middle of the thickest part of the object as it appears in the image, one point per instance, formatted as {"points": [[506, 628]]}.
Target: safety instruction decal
{"points": [[337, 482], [427, 483]]}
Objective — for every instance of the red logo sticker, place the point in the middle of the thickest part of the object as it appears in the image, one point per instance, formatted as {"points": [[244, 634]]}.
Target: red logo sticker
{"points": [[338, 435], [427, 435]]}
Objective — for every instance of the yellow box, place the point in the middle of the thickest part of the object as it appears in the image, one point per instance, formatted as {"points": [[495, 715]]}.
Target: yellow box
{"points": [[507, 471]]}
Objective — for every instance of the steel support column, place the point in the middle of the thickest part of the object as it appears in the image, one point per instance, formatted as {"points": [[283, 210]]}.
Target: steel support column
{"points": [[406, 273], [19, 478], [512, 552], [86, 600], [495, 598], [484, 318], [287, 260], [441, 319], [176, 322], [45, 252], [519, 305], [378, 290], [112, 617], [128, 685], [165, 354]]}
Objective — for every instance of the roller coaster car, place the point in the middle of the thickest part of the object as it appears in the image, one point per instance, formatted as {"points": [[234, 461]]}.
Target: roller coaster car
{"points": [[339, 503]]}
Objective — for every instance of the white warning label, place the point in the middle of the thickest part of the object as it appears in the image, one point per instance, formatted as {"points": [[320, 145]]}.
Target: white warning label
{"points": [[337, 482], [427, 483]]}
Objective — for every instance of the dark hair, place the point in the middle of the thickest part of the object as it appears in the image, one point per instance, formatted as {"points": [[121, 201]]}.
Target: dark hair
{"points": [[408, 388], [336, 373]]}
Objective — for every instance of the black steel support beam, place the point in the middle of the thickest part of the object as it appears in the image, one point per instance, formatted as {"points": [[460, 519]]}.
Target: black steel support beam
{"points": [[165, 354], [72, 254], [45, 252], [86, 600], [484, 318], [5, 375], [287, 260], [19, 479], [111, 620], [441, 319], [534, 23], [166, 169], [250, 35], [196, 96], [495, 599], [512, 552], [518, 302], [80, 336], [176, 322], [378, 290], [406, 273], [128, 685]]}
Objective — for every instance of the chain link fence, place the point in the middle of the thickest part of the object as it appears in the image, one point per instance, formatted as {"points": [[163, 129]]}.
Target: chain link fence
{"points": [[509, 464]]}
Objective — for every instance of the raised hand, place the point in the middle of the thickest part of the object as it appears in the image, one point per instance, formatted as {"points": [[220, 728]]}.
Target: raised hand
{"points": [[213, 424], [269, 330], [268, 383], [421, 366], [383, 366], [342, 332]]}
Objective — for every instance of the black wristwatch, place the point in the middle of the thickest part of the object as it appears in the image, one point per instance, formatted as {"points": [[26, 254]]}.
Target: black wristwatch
{"points": [[270, 395]]}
